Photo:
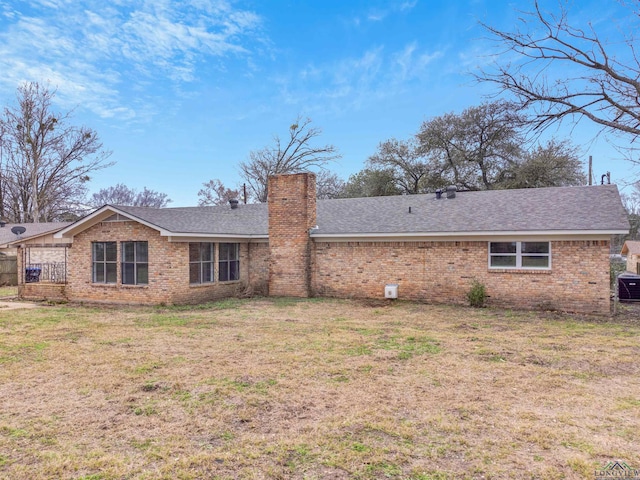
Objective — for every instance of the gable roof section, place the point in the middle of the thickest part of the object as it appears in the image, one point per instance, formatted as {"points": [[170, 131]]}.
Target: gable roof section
{"points": [[559, 210], [31, 230], [631, 247], [541, 211], [246, 221]]}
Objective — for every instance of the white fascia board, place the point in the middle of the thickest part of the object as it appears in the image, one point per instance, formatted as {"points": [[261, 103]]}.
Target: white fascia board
{"points": [[476, 236], [212, 237], [89, 220]]}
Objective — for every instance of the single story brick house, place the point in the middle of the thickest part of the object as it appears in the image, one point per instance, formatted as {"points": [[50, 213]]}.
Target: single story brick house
{"points": [[631, 250], [532, 248]]}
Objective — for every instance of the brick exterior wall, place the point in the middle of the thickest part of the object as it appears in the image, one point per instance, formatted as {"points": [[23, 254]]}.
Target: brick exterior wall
{"points": [[292, 213], [291, 264], [43, 291], [168, 269], [258, 267], [633, 262], [442, 272]]}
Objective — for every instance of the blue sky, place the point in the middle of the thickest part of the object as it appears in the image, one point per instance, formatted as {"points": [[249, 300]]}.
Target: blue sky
{"points": [[181, 91]]}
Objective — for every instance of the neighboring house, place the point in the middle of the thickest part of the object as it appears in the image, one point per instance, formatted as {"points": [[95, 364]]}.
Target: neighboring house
{"points": [[542, 248], [7, 237], [631, 249], [43, 251]]}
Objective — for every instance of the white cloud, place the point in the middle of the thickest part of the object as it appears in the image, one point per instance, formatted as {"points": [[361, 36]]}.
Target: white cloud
{"points": [[410, 63], [353, 82], [379, 14], [94, 51]]}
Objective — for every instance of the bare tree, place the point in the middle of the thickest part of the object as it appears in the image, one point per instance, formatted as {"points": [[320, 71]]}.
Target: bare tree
{"points": [[46, 162], [328, 185], [296, 154], [215, 193], [590, 82], [122, 195]]}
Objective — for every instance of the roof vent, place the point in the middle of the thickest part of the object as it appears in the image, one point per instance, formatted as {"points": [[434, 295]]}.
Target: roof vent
{"points": [[2, 223], [439, 194], [451, 191], [234, 203]]}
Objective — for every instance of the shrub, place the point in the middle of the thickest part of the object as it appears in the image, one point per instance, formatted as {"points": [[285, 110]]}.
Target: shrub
{"points": [[616, 267], [477, 294]]}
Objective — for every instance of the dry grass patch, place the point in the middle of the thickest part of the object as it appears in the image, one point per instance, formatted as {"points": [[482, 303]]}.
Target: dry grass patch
{"points": [[281, 388], [8, 291]]}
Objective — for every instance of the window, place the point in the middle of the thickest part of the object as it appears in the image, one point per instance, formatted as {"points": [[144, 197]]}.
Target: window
{"points": [[201, 262], [135, 263], [229, 264], [519, 255], [105, 261]]}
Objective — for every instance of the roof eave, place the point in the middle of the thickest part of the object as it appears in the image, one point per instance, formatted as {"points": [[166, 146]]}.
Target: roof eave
{"points": [[184, 236], [103, 213], [503, 233]]}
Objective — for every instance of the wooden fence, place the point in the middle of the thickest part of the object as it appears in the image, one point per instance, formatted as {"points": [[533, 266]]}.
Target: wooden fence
{"points": [[8, 271]]}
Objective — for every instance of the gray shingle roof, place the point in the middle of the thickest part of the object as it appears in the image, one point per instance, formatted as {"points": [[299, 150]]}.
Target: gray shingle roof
{"points": [[223, 220], [595, 209], [31, 229]]}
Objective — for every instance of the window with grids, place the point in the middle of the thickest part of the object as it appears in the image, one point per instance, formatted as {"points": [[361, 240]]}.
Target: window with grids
{"points": [[201, 262], [104, 262], [229, 262], [524, 255], [135, 263]]}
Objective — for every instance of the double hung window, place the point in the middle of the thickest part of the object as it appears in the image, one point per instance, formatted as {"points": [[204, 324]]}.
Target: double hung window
{"points": [[201, 262], [104, 262], [135, 263], [229, 262]]}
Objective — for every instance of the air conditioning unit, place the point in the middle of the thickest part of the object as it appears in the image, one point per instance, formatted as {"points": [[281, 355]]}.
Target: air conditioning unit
{"points": [[391, 290], [629, 287]]}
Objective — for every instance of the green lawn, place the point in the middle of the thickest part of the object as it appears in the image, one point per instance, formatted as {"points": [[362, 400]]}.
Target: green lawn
{"points": [[315, 389]]}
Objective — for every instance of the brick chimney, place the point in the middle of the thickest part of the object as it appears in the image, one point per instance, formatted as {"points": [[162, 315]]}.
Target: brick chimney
{"points": [[292, 213]]}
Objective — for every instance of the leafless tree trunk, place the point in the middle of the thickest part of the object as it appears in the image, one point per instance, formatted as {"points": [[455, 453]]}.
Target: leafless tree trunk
{"points": [[47, 162], [296, 155]]}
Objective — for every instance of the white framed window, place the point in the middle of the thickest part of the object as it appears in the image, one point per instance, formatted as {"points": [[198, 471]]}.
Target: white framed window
{"points": [[135, 263], [520, 255], [104, 262], [201, 263], [228, 262]]}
